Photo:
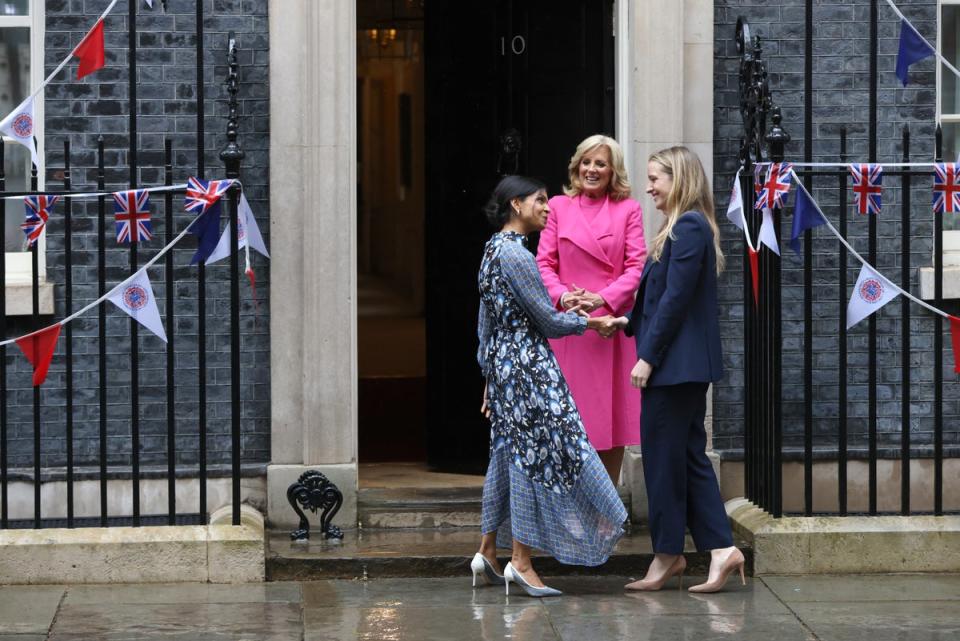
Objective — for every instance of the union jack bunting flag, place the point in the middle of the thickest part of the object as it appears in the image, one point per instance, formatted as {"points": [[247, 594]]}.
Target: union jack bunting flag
{"points": [[131, 215], [37, 213], [867, 187], [202, 195], [775, 187], [946, 189]]}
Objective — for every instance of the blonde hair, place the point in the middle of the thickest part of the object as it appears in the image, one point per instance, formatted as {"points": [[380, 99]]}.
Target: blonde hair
{"points": [[619, 187], [690, 192]]}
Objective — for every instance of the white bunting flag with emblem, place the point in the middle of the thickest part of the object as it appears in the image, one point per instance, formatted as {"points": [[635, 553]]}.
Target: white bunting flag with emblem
{"points": [[150, 3], [19, 126], [247, 232], [735, 208], [135, 297], [768, 235], [871, 292]]}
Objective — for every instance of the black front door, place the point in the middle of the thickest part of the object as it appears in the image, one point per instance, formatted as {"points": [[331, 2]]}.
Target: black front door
{"points": [[533, 74]]}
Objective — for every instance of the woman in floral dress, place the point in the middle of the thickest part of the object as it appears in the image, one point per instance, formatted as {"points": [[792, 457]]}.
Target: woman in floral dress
{"points": [[545, 487]]}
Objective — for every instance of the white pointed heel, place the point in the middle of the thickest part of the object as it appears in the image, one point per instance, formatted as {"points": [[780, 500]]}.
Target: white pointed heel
{"points": [[511, 574], [480, 567]]}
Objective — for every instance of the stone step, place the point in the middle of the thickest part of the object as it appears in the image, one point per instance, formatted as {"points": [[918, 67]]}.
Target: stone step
{"points": [[439, 552], [419, 507], [434, 507]]}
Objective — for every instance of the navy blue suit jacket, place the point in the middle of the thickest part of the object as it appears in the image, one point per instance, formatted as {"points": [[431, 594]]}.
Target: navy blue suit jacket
{"points": [[675, 318]]}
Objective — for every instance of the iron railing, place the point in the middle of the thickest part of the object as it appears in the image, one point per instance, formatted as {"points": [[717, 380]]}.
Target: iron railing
{"points": [[764, 450], [105, 467]]}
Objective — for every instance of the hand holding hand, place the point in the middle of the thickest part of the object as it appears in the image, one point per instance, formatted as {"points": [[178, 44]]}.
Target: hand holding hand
{"points": [[610, 325], [640, 374]]}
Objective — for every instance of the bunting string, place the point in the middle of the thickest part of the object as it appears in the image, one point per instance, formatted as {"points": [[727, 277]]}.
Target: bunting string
{"points": [[935, 50], [106, 296], [92, 194], [855, 254], [844, 165], [69, 57], [135, 275]]}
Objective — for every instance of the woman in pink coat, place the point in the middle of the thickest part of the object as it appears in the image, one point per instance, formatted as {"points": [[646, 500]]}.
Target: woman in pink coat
{"points": [[591, 256]]}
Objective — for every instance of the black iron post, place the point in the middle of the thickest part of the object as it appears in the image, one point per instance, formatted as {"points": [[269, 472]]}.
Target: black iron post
{"points": [[35, 318], [171, 337], [4, 503], [754, 105], [777, 139], [201, 281], [938, 347], [808, 269], [872, 248], [842, 338], [102, 325], [232, 155], [68, 330], [134, 326], [905, 330]]}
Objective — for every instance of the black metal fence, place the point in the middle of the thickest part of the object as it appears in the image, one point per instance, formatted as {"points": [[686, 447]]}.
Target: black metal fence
{"points": [[232, 155], [763, 323]]}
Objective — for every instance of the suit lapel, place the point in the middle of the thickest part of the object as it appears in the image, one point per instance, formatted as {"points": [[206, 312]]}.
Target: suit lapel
{"points": [[646, 270]]}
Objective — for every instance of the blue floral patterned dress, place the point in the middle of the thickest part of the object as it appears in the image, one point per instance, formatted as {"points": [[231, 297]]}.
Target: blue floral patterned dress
{"points": [[545, 486]]}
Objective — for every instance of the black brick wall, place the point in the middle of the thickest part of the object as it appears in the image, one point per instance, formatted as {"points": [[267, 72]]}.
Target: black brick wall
{"points": [[80, 111], [841, 82]]}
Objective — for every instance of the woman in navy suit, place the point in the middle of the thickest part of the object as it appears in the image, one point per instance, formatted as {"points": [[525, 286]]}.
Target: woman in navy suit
{"points": [[675, 323]]}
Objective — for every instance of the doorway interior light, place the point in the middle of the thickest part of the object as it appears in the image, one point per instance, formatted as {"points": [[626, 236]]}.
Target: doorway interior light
{"points": [[383, 37]]}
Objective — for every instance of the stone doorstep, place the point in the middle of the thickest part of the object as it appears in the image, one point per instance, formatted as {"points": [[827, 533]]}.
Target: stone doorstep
{"points": [[427, 507], [438, 552], [215, 553], [846, 544], [419, 507]]}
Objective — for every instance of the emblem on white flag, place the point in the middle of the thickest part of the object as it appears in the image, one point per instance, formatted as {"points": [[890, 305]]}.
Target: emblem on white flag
{"points": [[768, 235], [735, 208], [19, 125], [247, 233], [871, 292], [135, 297]]}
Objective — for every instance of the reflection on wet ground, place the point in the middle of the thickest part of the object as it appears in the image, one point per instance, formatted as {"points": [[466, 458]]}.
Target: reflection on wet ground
{"points": [[874, 608]]}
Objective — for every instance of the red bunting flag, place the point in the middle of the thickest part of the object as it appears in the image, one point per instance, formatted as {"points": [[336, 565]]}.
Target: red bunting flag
{"points": [[955, 338], [38, 348], [90, 51], [755, 275]]}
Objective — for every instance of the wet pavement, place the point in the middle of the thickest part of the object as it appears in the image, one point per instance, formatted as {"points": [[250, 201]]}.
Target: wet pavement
{"points": [[874, 608]]}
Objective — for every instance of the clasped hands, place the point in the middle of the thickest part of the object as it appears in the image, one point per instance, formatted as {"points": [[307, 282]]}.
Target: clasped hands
{"points": [[582, 302]]}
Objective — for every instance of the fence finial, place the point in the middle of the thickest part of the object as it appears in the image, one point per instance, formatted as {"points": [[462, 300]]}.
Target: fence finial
{"points": [[233, 153]]}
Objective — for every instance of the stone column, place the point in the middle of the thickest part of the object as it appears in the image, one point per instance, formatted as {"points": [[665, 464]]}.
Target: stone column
{"points": [[671, 102], [313, 232]]}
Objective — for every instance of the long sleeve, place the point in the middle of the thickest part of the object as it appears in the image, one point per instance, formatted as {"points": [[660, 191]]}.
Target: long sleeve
{"points": [[548, 258], [484, 329], [520, 270], [619, 293], [683, 272]]}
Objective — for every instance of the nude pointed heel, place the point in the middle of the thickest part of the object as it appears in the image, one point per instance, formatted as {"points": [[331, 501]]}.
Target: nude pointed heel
{"points": [[677, 568], [733, 562]]}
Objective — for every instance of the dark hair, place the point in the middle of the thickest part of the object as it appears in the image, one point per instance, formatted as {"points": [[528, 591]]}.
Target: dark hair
{"points": [[499, 209]]}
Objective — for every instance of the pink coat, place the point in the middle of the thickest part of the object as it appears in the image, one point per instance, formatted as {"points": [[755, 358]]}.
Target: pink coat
{"points": [[605, 256]]}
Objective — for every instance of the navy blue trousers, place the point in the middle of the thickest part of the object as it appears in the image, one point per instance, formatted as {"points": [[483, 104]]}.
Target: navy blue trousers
{"points": [[682, 490]]}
